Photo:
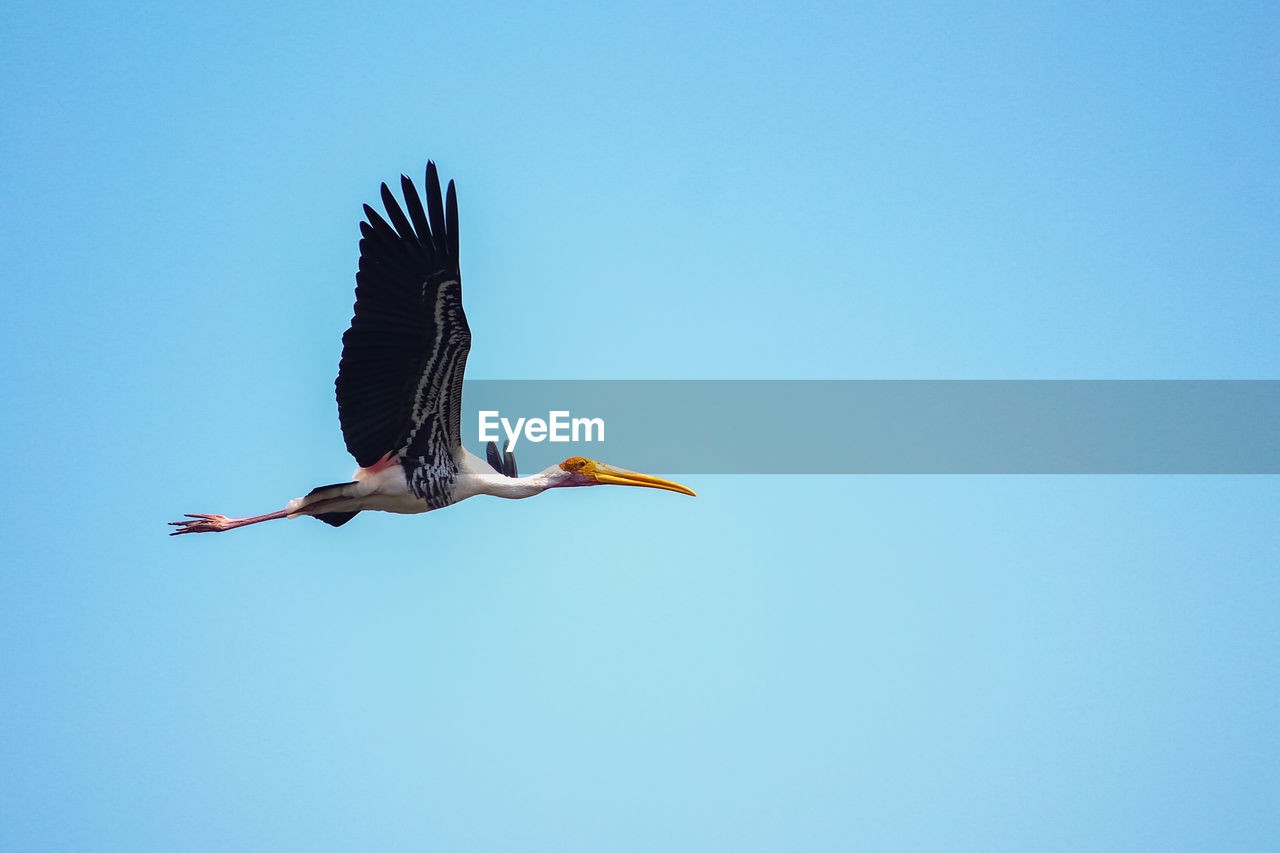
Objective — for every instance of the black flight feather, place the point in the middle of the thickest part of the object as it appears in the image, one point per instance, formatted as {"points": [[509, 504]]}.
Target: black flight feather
{"points": [[399, 381]]}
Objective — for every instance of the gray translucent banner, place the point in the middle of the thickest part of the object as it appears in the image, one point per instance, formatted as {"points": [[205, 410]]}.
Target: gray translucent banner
{"points": [[890, 427]]}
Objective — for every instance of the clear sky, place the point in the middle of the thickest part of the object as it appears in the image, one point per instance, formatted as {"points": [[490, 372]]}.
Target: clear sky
{"points": [[880, 190]]}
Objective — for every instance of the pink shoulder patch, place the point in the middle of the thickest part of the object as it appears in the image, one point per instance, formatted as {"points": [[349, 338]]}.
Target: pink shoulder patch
{"points": [[382, 464]]}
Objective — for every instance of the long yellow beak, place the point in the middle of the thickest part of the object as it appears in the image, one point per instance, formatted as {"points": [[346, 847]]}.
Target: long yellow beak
{"points": [[611, 476]]}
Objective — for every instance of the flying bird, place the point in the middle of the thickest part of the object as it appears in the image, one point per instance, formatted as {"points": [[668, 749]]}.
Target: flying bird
{"points": [[399, 384]]}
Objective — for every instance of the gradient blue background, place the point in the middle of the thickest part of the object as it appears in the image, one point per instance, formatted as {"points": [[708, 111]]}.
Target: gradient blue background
{"points": [[997, 190]]}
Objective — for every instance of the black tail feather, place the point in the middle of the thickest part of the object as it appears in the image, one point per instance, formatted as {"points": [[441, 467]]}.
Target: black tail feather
{"points": [[323, 493], [337, 519]]}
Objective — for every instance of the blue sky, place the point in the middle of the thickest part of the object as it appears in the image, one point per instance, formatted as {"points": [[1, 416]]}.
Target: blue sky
{"points": [[804, 663]]}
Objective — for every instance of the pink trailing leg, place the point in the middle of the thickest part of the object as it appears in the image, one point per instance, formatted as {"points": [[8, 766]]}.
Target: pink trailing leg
{"points": [[205, 523]]}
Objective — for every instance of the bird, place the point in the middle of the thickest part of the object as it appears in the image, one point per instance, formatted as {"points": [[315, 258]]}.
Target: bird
{"points": [[399, 384]]}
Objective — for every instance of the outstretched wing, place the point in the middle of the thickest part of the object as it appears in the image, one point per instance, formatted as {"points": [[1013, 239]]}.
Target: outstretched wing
{"points": [[399, 382]]}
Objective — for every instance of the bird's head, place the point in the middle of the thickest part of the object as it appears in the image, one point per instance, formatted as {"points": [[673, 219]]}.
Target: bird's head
{"points": [[581, 471]]}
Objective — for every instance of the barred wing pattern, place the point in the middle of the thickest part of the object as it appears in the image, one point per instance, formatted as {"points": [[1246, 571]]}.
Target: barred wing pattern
{"points": [[399, 383]]}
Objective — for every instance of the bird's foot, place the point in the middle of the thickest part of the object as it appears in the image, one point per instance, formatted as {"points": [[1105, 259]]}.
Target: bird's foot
{"points": [[201, 523]]}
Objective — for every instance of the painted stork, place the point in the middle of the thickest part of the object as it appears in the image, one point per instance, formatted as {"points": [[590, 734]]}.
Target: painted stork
{"points": [[399, 383]]}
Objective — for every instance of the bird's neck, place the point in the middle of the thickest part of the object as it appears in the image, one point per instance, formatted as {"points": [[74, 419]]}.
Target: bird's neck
{"points": [[522, 487]]}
